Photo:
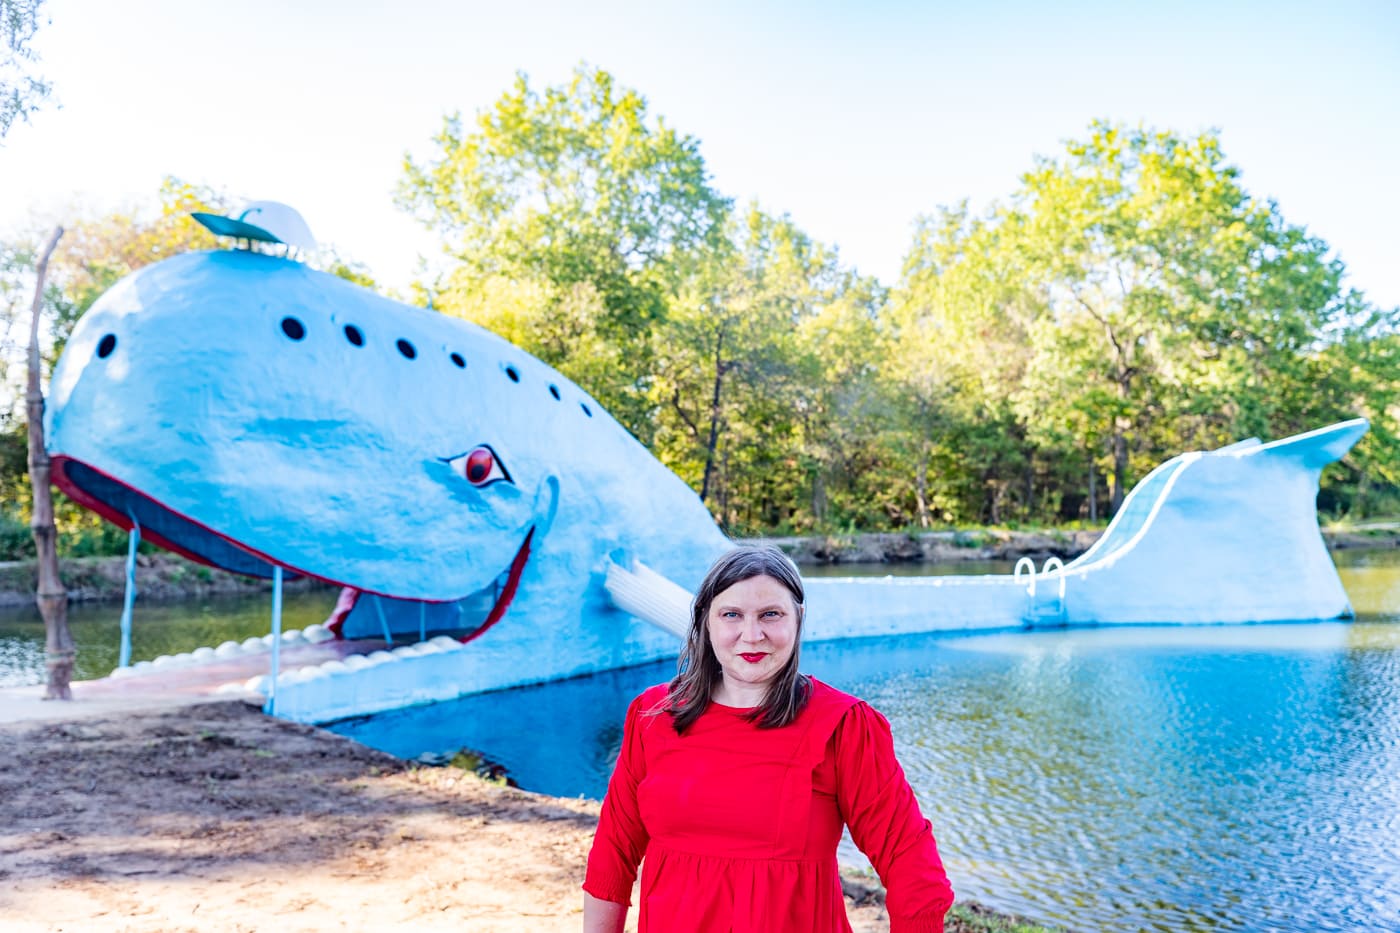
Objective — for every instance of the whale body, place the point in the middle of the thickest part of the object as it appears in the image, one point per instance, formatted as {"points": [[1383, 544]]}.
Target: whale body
{"points": [[253, 413], [248, 412]]}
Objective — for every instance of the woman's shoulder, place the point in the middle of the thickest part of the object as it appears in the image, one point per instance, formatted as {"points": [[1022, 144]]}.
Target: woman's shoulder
{"points": [[653, 697], [825, 696]]}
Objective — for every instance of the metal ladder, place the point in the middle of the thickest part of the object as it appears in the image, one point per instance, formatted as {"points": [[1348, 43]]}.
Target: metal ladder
{"points": [[1043, 611]]}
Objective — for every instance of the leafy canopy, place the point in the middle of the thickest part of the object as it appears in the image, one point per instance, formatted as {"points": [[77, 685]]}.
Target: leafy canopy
{"points": [[22, 92], [570, 218]]}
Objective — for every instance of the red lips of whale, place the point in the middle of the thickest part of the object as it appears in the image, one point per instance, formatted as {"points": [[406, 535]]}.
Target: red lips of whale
{"points": [[517, 567], [349, 596]]}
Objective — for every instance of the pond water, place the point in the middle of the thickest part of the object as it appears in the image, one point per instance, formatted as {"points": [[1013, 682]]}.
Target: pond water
{"points": [[1151, 778], [156, 629]]}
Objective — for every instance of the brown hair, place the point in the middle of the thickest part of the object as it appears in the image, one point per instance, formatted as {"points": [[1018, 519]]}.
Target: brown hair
{"points": [[698, 670]]}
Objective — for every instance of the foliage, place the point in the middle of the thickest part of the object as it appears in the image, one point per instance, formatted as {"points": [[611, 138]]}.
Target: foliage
{"points": [[571, 218], [21, 91], [97, 253], [1130, 301]]}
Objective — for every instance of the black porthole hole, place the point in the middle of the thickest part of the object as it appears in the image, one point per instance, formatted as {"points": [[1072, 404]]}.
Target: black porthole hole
{"points": [[586, 410], [513, 373], [459, 361], [554, 391], [406, 349], [106, 345], [354, 335], [293, 328]]}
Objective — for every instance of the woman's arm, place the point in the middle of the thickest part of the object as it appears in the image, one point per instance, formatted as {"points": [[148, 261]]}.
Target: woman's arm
{"points": [[600, 916], [621, 838], [879, 807]]}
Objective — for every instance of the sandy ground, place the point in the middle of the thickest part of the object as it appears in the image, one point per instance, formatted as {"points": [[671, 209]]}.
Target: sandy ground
{"points": [[216, 818]]}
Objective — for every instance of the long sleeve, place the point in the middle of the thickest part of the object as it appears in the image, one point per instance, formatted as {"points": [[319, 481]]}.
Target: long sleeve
{"points": [[878, 805], [621, 839]]}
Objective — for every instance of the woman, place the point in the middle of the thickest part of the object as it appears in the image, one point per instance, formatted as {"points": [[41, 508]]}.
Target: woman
{"points": [[734, 780]]}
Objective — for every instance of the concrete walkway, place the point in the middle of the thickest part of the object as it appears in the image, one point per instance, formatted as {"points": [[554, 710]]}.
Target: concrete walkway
{"points": [[27, 704], [170, 687]]}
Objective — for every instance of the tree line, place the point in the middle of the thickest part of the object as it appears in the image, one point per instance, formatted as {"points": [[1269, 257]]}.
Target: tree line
{"points": [[1127, 300]]}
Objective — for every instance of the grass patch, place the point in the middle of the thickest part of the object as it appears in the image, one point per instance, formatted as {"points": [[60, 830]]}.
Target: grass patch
{"points": [[974, 918]]}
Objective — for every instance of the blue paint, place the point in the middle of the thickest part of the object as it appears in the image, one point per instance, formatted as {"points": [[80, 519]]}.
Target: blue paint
{"points": [[262, 417], [129, 596], [276, 672], [237, 442]]}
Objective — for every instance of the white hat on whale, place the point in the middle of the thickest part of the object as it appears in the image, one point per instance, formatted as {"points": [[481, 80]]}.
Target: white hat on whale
{"points": [[268, 221]]}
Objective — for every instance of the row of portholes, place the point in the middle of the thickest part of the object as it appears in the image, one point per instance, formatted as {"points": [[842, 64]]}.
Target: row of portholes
{"points": [[296, 331]]}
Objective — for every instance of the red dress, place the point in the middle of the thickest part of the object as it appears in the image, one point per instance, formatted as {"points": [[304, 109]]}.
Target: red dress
{"points": [[739, 825]]}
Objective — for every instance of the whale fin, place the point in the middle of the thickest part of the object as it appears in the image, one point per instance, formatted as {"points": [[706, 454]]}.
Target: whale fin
{"points": [[649, 596]]}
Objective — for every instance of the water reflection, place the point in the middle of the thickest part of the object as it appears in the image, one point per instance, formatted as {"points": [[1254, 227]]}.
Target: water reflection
{"points": [[156, 629]]}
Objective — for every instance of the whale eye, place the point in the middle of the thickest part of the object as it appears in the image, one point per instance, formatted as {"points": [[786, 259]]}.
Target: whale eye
{"points": [[480, 467]]}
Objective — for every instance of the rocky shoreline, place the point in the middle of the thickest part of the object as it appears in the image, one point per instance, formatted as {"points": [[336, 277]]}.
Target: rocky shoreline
{"points": [[934, 547], [166, 577]]}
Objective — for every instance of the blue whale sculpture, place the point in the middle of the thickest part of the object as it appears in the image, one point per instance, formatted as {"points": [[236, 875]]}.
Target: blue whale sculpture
{"points": [[251, 412]]}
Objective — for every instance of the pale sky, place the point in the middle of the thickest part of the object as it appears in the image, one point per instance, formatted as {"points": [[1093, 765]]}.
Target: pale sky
{"points": [[854, 118]]}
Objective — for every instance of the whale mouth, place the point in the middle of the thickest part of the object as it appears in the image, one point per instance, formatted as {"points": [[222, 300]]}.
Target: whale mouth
{"points": [[503, 601], [501, 592], [125, 506]]}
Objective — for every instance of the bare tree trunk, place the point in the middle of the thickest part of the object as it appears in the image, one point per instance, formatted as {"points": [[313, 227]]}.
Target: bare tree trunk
{"points": [[1030, 488], [714, 417], [51, 596], [1093, 491], [921, 487], [1120, 468]]}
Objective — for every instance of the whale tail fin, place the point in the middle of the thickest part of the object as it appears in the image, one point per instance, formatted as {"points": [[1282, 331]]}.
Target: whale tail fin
{"points": [[646, 594], [1316, 449]]}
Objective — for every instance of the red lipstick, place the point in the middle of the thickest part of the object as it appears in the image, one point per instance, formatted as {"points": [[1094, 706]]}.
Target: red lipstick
{"points": [[753, 658]]}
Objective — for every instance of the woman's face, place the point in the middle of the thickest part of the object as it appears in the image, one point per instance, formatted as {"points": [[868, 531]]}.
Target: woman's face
{"points": [[753, 631]]}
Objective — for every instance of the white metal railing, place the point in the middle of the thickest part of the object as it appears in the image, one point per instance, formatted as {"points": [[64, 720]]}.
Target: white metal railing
{"points": [[1025, 567]]}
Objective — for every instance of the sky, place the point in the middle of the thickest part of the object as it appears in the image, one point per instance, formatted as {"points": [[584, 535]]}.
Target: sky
{"points": [[852, 118]]}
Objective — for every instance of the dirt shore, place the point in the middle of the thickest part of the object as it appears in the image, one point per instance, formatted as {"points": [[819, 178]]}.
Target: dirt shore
{"points": [[217, 818]]}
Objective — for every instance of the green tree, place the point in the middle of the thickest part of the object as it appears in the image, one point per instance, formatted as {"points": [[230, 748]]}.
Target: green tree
{"points": [[960, 319], [1132, 300], [571, 219], [762, 370], [21, 91]]}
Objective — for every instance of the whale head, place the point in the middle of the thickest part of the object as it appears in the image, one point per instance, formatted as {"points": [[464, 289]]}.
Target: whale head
{"points": [[249, 411]]}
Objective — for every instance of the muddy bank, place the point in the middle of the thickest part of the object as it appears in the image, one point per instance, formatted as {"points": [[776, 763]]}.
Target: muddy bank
{"points": [[935, 547], [217, 818], [941, 547]]}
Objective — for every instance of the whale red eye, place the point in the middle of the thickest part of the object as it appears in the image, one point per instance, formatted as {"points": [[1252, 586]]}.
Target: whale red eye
{"points": [[479, 466]]}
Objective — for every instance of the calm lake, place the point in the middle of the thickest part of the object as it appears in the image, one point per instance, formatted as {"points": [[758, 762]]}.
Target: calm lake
{"points": [[1151, 778]]}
